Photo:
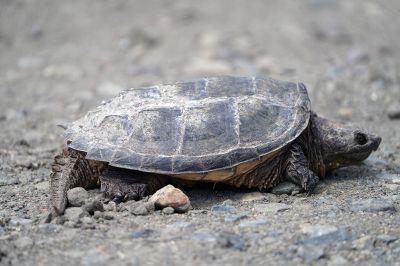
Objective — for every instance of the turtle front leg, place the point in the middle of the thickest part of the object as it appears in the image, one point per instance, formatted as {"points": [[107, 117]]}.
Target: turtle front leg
{"points": [[298, 169], [70, 169], [122, 184]]}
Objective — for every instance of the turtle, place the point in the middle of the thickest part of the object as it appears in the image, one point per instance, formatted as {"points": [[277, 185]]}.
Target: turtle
{"points": [[252, 132]]}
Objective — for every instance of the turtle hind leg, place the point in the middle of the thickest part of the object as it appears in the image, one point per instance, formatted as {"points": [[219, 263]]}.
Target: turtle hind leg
{"points": [[70, 169], [122, 184]]}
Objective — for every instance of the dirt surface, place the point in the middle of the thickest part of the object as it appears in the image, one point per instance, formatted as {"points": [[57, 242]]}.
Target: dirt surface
{"points": [[58, 59]]}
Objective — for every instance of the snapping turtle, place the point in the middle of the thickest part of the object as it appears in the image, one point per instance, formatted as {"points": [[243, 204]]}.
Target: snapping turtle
{"points": [[243, 131]]}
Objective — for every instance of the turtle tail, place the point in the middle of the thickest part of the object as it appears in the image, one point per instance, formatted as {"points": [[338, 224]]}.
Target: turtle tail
{"points": [[70, 169]]}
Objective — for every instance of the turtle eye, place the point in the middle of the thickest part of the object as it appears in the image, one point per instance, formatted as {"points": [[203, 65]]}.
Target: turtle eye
{"points": [[360, 138]]}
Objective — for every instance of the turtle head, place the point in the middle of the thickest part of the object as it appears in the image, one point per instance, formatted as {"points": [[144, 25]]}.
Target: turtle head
{"points": [[344, 145]]}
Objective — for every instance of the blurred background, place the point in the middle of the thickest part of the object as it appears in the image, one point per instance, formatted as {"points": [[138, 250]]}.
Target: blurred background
{"points": [[60, 58]]}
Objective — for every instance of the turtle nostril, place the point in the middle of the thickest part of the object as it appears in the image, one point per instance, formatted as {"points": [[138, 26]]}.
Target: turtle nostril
{"points": [[360, 138]]}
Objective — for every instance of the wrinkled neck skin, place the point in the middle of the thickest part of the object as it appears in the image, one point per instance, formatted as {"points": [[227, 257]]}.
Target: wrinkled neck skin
{"points": [[333, 145]]}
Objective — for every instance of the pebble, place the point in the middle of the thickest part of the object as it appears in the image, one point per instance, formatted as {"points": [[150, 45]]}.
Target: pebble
{"points": [[168, 210], [324, 234], [253, 223], [77, 196], [143, 233], [363, 242], [111, 206], [231, 240], [20, 221], [253, 196], [204, 236], [393, 112], [169, 196], [225, 207], [372, 205], [286, 188], [385, 239], [140, 210], [73, 214], [236, 217], [310, 253], [49, 228], [108, 215], [93, 205], [273, 207]]}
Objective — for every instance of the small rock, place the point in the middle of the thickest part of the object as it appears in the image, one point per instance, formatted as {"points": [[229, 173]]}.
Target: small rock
{"points": [[93, 205], [23, 243], [169, 196], [49, 228], [168, 210], [73, 214], [230, 240], [393, 112], [236, 217], [108, 215], [203, 236], [324, 234], [145, 233], [253, 223], [253, 196], [86, 220], [140, 210], [150, 206], [384, 240], [272, 207], [111, 206], [77, 196], [29, 62], [372, 205], [310, 253], [363, 242], [223, 208], [20, 221], [286, 188]]}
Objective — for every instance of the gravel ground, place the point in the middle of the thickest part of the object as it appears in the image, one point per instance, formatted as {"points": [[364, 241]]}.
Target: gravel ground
{"points": [[58, 59]]}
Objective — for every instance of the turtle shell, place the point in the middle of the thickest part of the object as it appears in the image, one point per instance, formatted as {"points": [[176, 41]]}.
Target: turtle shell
{"points": [[195, 126]]}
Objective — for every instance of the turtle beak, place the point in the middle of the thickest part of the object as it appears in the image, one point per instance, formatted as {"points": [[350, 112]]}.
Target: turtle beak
{"points": [[376, 141]]}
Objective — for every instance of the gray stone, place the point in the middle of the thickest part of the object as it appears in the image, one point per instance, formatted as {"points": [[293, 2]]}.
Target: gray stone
{"points": [[86, 220], [272, 207], [108, 215], [204, 236], [77, 196], [168, 210], [286, 188], [140, 210], [253, 223], [372, 205], [223, 208], [20, 221], [49, 228], [111, 206], [310, 253], [93, 205], [73, 214], [231, 240], [145, 233], [325, 234], [236, 217], [385, 239]]}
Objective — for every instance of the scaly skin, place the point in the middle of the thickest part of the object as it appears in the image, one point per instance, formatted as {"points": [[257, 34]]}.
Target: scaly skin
{"points": [[323, 146]]}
